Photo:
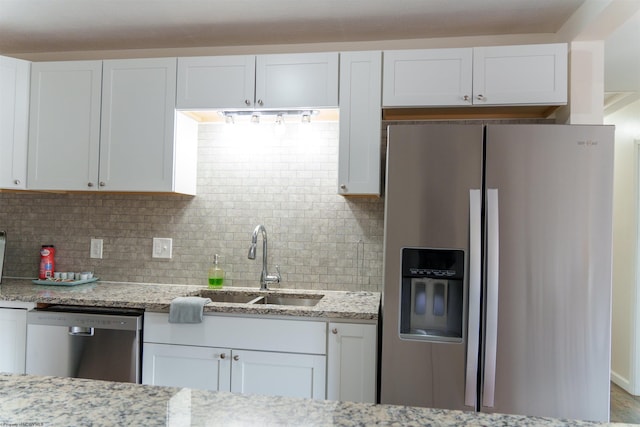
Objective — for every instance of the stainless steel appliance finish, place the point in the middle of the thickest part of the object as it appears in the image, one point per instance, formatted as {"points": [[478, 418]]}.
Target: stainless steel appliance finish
{"points": [[3, 244], [536, 232], [85, 342]]}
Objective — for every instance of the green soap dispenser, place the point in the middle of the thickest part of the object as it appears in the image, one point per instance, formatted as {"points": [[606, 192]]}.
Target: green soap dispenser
{"points": [[216, 274]]}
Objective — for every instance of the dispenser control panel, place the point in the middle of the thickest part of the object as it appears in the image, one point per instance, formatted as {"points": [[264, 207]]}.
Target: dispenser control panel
{"points": [[432, 294]]}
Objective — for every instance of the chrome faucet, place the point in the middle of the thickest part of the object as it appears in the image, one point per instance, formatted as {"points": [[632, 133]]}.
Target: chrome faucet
{"points": [[265, 278]]}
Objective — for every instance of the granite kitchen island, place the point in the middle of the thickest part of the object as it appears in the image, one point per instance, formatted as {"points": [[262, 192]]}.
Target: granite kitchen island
{"points": [[53, 401]]}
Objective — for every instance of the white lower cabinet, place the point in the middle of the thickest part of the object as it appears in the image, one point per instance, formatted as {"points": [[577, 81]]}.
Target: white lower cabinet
{"points": [[266, 356], [351, 359], [13, 340], [278, 374], [204, 368], [246, 355]]}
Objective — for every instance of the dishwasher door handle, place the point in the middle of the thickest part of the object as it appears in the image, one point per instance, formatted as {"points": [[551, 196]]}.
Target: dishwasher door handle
{"points": [[80, 331]]}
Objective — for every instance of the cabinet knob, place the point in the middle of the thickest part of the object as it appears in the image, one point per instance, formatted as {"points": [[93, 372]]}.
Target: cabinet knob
{"points": [[334, 331], [466, 98], [260, 102], [480, 97], [247, 102], [223, 356], [102, 183], [236, 357], [343, 187], [16, 182], [90, 184]]}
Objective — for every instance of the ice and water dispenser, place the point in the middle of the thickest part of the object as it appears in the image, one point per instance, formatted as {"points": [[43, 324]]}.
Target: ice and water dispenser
{"points": [[432, 294]]}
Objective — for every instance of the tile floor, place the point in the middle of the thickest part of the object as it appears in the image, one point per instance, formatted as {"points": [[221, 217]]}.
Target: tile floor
{"points": [[625, 408]]}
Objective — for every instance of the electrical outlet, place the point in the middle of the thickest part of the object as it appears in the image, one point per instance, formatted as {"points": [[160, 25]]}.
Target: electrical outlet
{"points": [[96, 248], [162, 247]]}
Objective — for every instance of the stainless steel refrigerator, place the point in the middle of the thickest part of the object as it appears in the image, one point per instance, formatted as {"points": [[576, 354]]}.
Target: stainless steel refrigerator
{"points": [[497, 278]]}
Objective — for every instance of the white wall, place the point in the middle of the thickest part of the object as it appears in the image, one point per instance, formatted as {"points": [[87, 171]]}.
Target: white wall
{"points": [[625, 351]]}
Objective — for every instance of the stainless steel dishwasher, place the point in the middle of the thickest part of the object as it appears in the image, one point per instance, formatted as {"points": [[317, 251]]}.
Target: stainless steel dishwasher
{"points": [[85, 342]]}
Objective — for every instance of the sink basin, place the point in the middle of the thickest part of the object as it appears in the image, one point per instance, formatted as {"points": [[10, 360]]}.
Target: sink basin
{"points": [[255, 298], [231, 297], [305, 301]]}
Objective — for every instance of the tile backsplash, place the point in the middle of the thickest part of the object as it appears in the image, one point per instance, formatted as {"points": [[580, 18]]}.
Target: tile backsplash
{"points": [[284, 177]]}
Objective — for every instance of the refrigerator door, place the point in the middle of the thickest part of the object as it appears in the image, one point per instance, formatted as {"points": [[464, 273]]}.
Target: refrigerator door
{"points": [[430, 172], [551, 351]]}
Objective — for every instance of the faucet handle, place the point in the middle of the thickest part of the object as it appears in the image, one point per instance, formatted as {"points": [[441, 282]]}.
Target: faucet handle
{"points": [[274, 278]]}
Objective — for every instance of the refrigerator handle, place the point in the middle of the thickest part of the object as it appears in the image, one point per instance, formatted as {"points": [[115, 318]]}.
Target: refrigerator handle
{"points": [[491, 332], [473, 329]]}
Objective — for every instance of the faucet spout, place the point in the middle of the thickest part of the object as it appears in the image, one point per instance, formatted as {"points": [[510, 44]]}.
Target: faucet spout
{"points": [[265, 277]]}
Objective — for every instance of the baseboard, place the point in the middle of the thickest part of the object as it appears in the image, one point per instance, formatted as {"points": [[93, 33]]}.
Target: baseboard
{"points": [[622, 382]]}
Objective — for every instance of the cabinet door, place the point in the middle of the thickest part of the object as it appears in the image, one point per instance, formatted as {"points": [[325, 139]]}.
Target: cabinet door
{"points": [[64, 125], [297, 81], [138, 108], [530, 74], [216, 82], [351, 371], [429, 77], [186, 366], [13, 340], [14, 122], [278, 374], [360, 123]]}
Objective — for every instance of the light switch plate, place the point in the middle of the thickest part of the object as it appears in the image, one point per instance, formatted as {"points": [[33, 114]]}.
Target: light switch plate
{"points": [[96, 249], [162, 247]]}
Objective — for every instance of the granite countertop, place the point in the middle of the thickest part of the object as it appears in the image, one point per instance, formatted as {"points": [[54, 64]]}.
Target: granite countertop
{"points": [[53, 401], [157, 297]]}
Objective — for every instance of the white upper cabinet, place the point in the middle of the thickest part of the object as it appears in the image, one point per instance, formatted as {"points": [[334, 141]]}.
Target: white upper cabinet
{"points": [[109, 126], [64, 125], [360, 123], [264, 81], [14, 122], [482, 76], [216, 82], [308, 80], [528, 74], [137, 131], [427, 77]]}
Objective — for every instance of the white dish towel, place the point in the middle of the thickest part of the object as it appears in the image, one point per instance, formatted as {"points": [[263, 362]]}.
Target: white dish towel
{"points": [[187, 309]]}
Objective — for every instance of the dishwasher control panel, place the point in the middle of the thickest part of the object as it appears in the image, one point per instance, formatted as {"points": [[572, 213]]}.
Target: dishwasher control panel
{"points": [[119, 320]]}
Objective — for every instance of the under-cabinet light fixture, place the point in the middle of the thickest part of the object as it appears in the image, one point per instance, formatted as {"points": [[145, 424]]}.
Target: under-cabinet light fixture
{"points": [[256, 115]]}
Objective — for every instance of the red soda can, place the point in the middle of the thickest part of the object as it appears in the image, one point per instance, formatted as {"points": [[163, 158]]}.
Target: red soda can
{"points": [[47, 262]]}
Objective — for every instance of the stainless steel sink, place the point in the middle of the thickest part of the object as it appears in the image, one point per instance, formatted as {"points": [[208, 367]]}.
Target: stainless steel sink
{"points": [[255, 298], [305, 301], [230, 297]]}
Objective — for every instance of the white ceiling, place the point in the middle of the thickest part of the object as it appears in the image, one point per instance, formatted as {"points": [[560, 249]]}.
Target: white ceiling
{"points": [[37, 26]]}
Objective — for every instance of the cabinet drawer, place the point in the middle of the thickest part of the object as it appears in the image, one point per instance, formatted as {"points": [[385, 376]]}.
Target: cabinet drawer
{"points": [[295, 336]]}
